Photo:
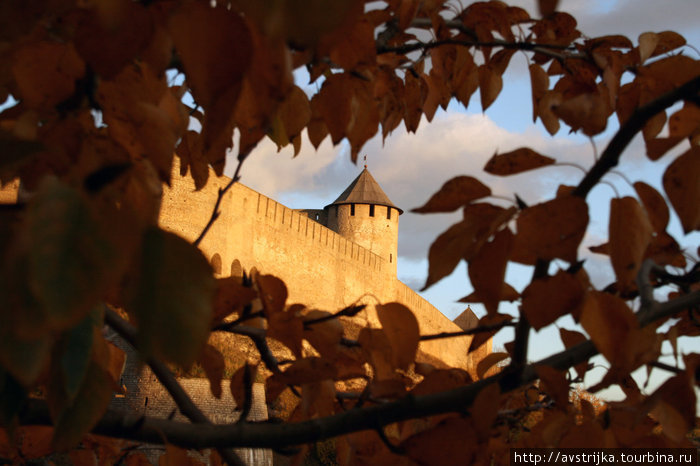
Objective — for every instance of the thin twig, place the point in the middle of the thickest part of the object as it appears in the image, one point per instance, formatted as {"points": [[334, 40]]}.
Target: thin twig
{"points": [[471, 331], [216, 212], [258, 335], [117, 424], [165, 376], [349, 311], [611, 155]]}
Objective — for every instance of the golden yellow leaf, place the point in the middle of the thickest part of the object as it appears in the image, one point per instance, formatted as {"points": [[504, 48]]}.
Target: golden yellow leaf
{"points": [[516, 161], [683, 189], [629, 234]]}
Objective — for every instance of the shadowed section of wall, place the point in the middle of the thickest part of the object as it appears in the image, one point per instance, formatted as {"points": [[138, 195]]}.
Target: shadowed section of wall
{"points": [[321, 268], [145, 396]]}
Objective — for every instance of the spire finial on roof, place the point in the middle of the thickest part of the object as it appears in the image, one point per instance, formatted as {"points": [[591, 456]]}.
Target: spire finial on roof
{"points": [[365, 161]]}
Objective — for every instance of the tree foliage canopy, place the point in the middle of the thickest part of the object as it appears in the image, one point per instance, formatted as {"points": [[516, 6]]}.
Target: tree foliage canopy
{"points": [[93, 133]]}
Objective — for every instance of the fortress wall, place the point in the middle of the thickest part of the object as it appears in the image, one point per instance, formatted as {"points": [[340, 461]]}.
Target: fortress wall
{"points": [[453, 351], [320, 268]]}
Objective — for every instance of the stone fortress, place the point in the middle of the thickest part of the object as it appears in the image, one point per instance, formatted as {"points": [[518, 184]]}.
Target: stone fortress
{"points": [[329, 258]]}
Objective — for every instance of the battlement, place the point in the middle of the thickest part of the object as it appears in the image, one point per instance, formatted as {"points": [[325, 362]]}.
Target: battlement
{"points": [[306, 223]]}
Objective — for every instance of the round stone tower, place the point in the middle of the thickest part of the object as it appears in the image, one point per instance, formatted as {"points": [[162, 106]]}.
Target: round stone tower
{"points": [[364, 214]]}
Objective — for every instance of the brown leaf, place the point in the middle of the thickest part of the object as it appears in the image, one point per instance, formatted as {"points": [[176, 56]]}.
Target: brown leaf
{"points": [[508, 293], [545, 300], [287, 327], [516, 161], [655, 205], [547, 7], [684, 122], [334, 104], [484, 410], [247, 373], [441, 380], [657, 147], [464, 239], [674, 406], [589, 112], [555, 384], [629, 232], [213, 363], [683, 189], [455, 193], [540, 85], [664, 250], [200, 34], [45, 73], [231, 296], [611, 325], [551, 230], [487, 269], [490, 83], [572, 338], [545, 110], [378, 352], [324, 336], [416, 91], [401, 328], [484, 366], [453, 441], [667, 41], [483, 337], [647, 44]]}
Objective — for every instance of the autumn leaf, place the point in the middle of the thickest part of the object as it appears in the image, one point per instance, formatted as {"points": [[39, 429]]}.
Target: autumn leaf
{"points": [[45, 73], [630, 232], [70, 265], [483, 369], [171, 298], [325, 336], [655, 205], [455, 193], [213, 363], [571, 338], [547, 299], [200, 34], [682, 188], [487, 269], [464, 239], [517, 161], [401, 328], [540, 84], [551, 230], [647, 44], [555, 384], [78, 417], [485, 410], [453, 441]]}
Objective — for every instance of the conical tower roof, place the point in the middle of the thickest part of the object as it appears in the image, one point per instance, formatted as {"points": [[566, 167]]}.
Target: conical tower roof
{"points": [[364, 190]]}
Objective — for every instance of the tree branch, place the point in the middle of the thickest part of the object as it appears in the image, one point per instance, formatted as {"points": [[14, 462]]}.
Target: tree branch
{"points": [[168, 380], [611, 154], [471, 331], [216, 212], [275, 435]]}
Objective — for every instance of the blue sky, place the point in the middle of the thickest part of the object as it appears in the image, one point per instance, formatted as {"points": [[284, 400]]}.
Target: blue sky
{"points": [[410, 167]]}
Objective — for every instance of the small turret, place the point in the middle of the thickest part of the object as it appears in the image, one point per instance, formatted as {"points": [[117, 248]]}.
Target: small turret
{"points": [[364, 214]]}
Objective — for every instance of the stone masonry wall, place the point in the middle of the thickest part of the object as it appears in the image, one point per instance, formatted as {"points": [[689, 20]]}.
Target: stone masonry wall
{"points": [[321, 268]]}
